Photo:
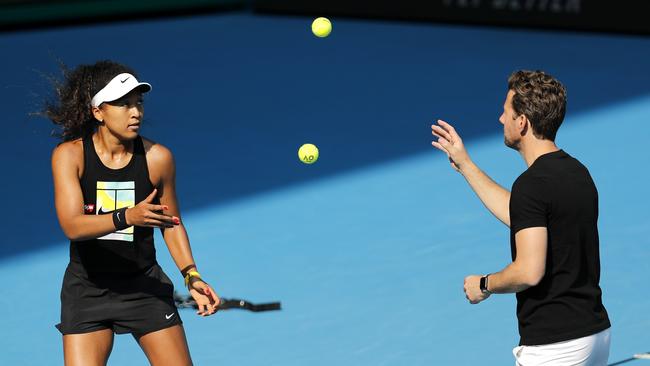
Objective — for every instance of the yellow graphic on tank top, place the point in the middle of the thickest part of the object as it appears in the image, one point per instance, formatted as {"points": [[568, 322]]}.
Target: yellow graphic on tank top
{"points": [[112, 196]]}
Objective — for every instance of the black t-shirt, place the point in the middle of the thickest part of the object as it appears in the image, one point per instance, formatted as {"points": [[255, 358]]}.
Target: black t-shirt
{"points": [[557, 192]]}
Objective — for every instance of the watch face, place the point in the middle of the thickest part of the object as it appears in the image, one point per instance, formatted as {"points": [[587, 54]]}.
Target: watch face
{"points": [[482, 284]]}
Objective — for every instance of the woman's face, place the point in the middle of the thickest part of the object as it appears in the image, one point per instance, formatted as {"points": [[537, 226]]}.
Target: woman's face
{"points": [[122, 117]]}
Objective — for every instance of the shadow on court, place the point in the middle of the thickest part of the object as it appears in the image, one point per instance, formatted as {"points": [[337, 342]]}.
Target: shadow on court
{"points": [[234, 96]]}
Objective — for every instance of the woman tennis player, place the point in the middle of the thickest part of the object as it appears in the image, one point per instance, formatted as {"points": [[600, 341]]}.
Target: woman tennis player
{"points": [[112, 188]]}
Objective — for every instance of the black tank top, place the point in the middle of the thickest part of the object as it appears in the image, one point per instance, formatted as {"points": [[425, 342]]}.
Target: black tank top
{"points": [[105, 190]]}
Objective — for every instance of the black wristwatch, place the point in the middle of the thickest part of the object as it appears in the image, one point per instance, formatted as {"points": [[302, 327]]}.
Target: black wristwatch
{"points": [[483, 285]]}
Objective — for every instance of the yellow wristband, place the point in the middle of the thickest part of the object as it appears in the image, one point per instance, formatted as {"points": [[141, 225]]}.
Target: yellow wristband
{"points": [[189, 275]]}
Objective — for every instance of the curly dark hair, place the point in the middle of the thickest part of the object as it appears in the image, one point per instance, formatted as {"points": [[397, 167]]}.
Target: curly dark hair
{"points": [[71, 109], [541, 98]]}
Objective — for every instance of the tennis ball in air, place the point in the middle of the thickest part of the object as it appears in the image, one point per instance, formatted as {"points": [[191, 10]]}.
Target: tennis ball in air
{"points": [[321, 27], [308, 153]]}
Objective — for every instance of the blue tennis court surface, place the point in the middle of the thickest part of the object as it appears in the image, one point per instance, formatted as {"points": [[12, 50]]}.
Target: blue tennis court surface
{"points": [[367, 249]]}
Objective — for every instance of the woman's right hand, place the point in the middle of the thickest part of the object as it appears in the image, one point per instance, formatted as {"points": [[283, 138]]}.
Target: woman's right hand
{"points": [[148, 214]]}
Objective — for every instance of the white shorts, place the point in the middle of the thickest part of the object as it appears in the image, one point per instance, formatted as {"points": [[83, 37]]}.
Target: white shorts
{"points": [[592, 350]]}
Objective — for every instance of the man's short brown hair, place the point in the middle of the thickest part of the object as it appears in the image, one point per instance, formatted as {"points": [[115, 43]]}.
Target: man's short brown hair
{"points": [[541, 98]]}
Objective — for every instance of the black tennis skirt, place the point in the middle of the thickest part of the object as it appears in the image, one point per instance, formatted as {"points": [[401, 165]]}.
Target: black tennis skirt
{"points": [[137, 303]]}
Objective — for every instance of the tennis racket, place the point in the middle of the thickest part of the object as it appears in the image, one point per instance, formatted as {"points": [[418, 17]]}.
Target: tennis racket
{"points": [[186, 301], [638, 356]]}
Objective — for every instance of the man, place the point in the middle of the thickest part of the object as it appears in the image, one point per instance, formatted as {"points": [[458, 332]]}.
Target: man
{"points": [[552, 213]]}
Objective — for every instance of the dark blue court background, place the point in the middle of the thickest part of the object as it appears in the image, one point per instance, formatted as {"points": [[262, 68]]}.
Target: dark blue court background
{"points": [[235, 95]]}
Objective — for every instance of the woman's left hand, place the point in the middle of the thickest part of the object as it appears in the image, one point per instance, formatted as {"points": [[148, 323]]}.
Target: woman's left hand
{"points": [[205, 297]]}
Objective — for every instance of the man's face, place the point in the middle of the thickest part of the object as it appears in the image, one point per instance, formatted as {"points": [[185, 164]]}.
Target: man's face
{"points": [[509, 119]]}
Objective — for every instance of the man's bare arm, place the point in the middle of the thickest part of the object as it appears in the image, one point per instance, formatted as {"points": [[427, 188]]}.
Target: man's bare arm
{"points": [[494, 197]]}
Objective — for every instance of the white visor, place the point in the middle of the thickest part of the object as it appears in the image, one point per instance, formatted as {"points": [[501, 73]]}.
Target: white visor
{"points": [[120, 86]]}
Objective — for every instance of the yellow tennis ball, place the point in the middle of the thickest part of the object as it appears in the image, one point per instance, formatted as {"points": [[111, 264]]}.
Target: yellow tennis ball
{"points": [[308, 153], [321, 27]]}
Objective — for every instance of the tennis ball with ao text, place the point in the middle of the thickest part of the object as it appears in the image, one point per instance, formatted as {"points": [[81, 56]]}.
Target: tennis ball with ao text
{"points": [[308, 153], [321, 27]]}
